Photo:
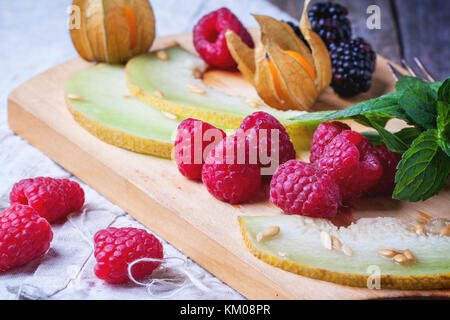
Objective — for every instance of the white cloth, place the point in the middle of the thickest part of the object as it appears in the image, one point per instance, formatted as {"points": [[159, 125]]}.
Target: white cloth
{"points": [[33, 38]]}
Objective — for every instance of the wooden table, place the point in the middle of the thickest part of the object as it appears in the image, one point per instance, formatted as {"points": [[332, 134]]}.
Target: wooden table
{"points": [[412, 28]]}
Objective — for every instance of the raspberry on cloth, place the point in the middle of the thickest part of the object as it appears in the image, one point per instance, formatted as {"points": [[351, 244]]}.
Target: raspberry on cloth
{"points": [[115, 248], [24, 236], [51, 198]]}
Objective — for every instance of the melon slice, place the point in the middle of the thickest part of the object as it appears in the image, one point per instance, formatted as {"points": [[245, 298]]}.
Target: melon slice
{"points": [[148, 77], [298, 248], [100, 102]]}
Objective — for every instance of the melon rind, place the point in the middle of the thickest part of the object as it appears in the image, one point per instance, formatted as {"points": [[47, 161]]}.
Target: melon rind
{"points": [[147, 74], [110, 113], [298, 250]]}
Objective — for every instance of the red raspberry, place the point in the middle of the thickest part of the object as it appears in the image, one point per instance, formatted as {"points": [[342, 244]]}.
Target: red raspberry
{"points": [[116, 248], [389, 160], [210, 41], [227, 174], [349, 159], [51, 198], [323, 135], [262, 120], [24, 236], [300, 188], [191, 133]]}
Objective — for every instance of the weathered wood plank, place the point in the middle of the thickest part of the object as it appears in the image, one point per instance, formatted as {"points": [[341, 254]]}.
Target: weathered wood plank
{"points": [[385, 40], [425, 29]]}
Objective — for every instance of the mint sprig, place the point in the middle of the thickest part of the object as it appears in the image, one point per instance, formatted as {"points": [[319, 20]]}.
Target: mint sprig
{"points": [[423, 170], [425, 146]]}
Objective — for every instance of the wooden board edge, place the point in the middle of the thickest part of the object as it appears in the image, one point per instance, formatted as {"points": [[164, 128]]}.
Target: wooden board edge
{"points": [[251, 283]]}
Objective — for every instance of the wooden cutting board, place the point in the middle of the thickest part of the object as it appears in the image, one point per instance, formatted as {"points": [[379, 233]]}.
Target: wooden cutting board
{"points": [[181, 211]]}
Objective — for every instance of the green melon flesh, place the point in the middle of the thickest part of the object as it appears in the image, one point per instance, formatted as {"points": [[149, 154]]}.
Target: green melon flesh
{"points": [[148, 73], [299, 242], [107, 101]]}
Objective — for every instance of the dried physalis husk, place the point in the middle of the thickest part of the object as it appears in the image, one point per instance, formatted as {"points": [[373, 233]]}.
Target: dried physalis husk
{"points": [[284, 36], [243, 54], [285, 72], [113, 31], [295, 84], [263, 82], [320, 54]]}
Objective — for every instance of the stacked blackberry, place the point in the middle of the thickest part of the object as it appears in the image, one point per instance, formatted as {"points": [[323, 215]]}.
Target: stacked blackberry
{"points": [[353, 60]]}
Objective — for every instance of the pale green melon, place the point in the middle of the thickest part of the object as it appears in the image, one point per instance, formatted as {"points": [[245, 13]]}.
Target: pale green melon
{"points": [[99, 101], [298, 248], [147, 74]]}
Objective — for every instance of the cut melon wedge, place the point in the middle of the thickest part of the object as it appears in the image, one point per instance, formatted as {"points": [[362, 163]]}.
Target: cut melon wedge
{"points": [[100, 102], [298, 249], [148, 77]]}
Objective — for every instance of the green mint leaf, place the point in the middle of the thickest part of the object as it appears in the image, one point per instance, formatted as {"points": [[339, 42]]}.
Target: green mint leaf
{"points": [[408, 135], [444, 91], [436, 85], [443, 119], [392, 142], [408, 82], [423, 170], [420, 103], [385, 107]]}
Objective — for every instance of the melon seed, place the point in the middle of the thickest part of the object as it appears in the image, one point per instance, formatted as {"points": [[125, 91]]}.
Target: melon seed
{"points": [[388, 253], [446, 231], [162, 55], [400, 258], [419, 229], [325, 239], [336, 243], [253, 103], [196, 89], [197, 73], [158, 94], [76, 97], [268, 233], [409, 255], [347, 251]]}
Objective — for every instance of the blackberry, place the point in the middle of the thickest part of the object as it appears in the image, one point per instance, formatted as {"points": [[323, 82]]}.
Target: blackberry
{"points": [[353, 63], [330, 22]]}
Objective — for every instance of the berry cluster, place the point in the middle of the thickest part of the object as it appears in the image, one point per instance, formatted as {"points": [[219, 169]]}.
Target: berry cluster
{"points": [[26, 234], [353, 60], [353, 64], [344, 166], [232, 168], [25, 231]]}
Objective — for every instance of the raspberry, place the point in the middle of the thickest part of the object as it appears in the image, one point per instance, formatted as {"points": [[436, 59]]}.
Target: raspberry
{"points": [[257, 121], [24, 236], [227, 174], [389, 161], [191, 133], [350, 160], [51, 198], [324, 133], [300, 188], [210, 41], [115, 248]]}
